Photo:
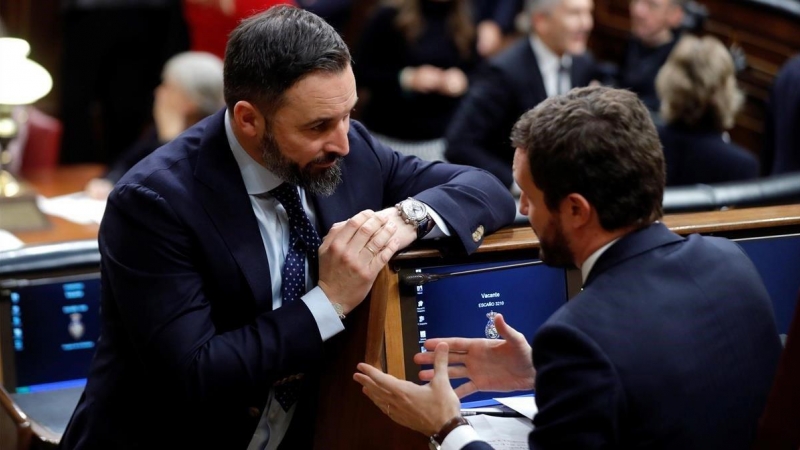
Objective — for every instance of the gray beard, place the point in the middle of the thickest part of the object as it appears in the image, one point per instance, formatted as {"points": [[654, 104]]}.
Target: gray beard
{"points": [[322, 184]]}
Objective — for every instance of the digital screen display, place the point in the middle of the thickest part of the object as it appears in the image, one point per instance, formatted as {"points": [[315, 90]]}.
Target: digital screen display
{"points": [[463, 306], [54, 330], [777, 259]]}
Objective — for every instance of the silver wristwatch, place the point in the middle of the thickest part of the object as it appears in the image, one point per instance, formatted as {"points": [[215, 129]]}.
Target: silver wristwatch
{"points": [[415, 213]]}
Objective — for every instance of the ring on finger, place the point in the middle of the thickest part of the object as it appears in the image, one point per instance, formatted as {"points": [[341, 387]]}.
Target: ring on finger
{"points": [[369, 249], [387, 410]]}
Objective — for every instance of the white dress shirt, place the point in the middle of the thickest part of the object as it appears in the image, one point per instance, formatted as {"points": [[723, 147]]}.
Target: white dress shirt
{"points": [[549, 65]]}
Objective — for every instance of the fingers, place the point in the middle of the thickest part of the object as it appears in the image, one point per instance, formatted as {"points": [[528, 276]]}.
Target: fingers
{"points": [[466, 389], [376, 385], [456, 345], [382, 245], [367, 234], [440, 360], [454, 372], [506, 331]]}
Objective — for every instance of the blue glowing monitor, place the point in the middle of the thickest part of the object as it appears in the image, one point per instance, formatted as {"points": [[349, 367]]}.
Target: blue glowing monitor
{"points": [[50, 327], [525, 291]]}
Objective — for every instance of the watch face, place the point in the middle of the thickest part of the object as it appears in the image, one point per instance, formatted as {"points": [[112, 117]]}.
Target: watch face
{"points": [[414, 210]]}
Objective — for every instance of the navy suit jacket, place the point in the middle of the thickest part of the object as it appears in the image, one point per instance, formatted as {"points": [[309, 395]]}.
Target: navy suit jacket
{"points": [[671, 344], [781, 151], [508, 86], [694, 157], [190, 345]]}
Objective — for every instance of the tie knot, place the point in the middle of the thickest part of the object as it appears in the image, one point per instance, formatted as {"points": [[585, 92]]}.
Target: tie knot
{"points": [[287, 194]]}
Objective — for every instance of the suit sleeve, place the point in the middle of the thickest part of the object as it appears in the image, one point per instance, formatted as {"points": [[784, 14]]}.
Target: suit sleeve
{"points": [[578, 393], [478, 128], [158, 277], [471, 201]]}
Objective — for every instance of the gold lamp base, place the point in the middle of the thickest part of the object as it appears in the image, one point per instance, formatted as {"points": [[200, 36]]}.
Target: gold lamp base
{"points": [[18, 209]]}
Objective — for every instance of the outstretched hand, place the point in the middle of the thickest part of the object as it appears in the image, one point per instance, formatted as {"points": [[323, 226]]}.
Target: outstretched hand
{"points": [[422, 408], [498, 365]]}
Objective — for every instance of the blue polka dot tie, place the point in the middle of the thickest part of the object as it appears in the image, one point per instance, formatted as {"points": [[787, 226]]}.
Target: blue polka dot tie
{"points": [[303, 242]]}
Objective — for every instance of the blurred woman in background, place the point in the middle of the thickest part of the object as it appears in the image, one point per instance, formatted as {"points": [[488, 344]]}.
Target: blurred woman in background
{"points": [[699, 102], [413, 60]]}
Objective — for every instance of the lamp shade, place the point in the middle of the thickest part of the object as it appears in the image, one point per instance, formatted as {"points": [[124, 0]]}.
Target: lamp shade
{"points": [[22, 81]]}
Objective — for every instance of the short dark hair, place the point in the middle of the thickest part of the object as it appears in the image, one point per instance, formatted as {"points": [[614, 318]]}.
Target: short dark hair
{"points": [[271, 51], [601, 143]]}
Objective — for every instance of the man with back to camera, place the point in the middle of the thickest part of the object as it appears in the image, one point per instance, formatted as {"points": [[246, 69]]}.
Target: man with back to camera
{"points": [[670, 344], [551, 60], [216, 303]]}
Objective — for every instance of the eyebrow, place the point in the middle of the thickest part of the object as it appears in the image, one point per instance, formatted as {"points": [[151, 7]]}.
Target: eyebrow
{"points": [[323, 119]]}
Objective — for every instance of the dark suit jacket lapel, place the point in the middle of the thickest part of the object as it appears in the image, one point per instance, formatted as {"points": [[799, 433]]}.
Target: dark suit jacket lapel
{"points": [[534, 77], [581, 70], [227, 203], [633, 244]]}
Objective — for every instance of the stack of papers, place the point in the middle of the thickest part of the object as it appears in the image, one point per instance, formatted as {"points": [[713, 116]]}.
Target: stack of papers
{"points": [[505, 433], [8, 241], [77, 207]]}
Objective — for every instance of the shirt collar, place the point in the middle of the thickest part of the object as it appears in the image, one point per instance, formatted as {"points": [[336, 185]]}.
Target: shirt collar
{"points": [[257, 179], [587, 265], [548, 61]]}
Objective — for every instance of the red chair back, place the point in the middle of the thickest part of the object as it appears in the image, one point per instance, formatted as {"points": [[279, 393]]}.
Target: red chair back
{"points": [[43, 143]]}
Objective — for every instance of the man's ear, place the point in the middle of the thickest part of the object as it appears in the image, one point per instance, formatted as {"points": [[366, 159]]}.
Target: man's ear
{"points": [[576, 210], [248, 120]]}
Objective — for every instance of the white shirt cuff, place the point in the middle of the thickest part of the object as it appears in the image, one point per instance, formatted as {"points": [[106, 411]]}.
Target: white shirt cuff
{"points": [[321, 308], [460, 437], [440, 229]]}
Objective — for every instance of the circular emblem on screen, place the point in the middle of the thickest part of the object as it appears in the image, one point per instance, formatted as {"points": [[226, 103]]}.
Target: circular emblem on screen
{"points": [[76, 327], [490, 330]]}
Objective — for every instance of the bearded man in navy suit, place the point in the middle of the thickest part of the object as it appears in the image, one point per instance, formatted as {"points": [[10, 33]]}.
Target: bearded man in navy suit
{"points": [[199, 339], [670, 344]]}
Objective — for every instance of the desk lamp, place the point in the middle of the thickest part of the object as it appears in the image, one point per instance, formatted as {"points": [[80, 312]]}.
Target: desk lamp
{"points": [[22, 82]]}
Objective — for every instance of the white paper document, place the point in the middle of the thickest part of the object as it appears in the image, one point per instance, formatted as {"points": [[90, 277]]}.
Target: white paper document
{"points": [[523, 404], [503, 433], [77, 207], [8, 241]]}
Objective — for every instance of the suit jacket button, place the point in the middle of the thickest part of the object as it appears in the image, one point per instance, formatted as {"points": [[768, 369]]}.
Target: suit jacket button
{"points": [[254, 412], [477, 235]]}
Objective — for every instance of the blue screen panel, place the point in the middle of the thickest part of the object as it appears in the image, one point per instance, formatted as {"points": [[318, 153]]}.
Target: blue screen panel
{"points": [[777, 259], [54, 327], [461, 306]]}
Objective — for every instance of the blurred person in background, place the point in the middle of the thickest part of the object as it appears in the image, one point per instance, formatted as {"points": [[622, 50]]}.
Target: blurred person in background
{"points": [[550, 61], [190, 90], [655, 29], [781, 151], [496, 22], [699, 102], [414, 60]]}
